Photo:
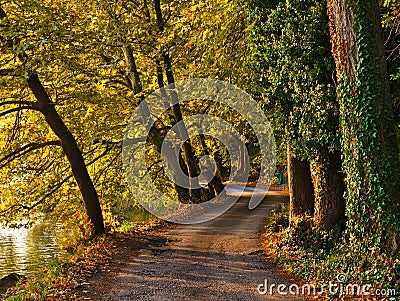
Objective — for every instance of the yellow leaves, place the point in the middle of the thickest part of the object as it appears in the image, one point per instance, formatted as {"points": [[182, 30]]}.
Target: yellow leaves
{"points": [[194, 8], [188, 45], [161, 41], [186, 14], [126, 111], [90, 111]]}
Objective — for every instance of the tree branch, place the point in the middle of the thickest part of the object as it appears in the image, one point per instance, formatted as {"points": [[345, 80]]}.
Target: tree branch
{"points": [[18, 102], [58, 186], [25, 207], [102, 171], [5, 72], [55, 188], [12, 207], [128, 141], [26, 149], [2, 14], [19, 109]]}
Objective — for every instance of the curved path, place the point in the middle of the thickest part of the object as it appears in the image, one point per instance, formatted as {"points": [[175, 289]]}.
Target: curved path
{"points": [[216, 260]]}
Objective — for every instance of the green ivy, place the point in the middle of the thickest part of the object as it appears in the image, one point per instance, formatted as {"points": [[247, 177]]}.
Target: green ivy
{"points": [[291, 55], [370, 147]]}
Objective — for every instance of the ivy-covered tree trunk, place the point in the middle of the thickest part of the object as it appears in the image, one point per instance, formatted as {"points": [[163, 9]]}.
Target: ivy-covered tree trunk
{"points": [[329, 208], [294, 55], [300, 188], [369, 136]]}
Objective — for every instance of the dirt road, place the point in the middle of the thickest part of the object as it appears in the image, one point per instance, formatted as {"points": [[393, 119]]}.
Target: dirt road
{"points": [[217, 260]]}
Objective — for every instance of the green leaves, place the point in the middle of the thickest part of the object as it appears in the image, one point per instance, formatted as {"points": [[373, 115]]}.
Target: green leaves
{"points": [[293, 57]]}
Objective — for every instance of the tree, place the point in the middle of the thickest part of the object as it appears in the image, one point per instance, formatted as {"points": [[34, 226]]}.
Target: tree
{"points": [[97, 60], [292, 55], [190, 160], [369, 136], [45, 105], [168, 50], [391, 25]]}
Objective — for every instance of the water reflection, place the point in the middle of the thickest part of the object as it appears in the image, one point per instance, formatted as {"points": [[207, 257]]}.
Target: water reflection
{"points": [[25, 250]]}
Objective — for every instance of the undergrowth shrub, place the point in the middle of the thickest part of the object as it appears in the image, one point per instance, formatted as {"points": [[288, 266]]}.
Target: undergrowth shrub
{"points": [[318, 256]]}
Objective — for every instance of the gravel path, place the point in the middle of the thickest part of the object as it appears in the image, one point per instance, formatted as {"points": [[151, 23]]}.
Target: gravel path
{"points": [[217, 260]]}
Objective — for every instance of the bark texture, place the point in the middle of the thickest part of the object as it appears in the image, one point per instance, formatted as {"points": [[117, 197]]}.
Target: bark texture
{"points": [[329, 208], [301, 189]]}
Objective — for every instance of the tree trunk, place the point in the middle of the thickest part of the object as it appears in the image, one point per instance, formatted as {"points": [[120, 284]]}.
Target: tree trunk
{"points": [[215, 183], [188, 154], [72, 152], [154, 134], [300, 188], [369, 135], [242, 165], [190, 159], [183, 192], [329, 207]]}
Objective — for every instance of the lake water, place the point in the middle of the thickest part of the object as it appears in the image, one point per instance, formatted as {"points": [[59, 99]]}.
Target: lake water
{"points": [[25, 250]]}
